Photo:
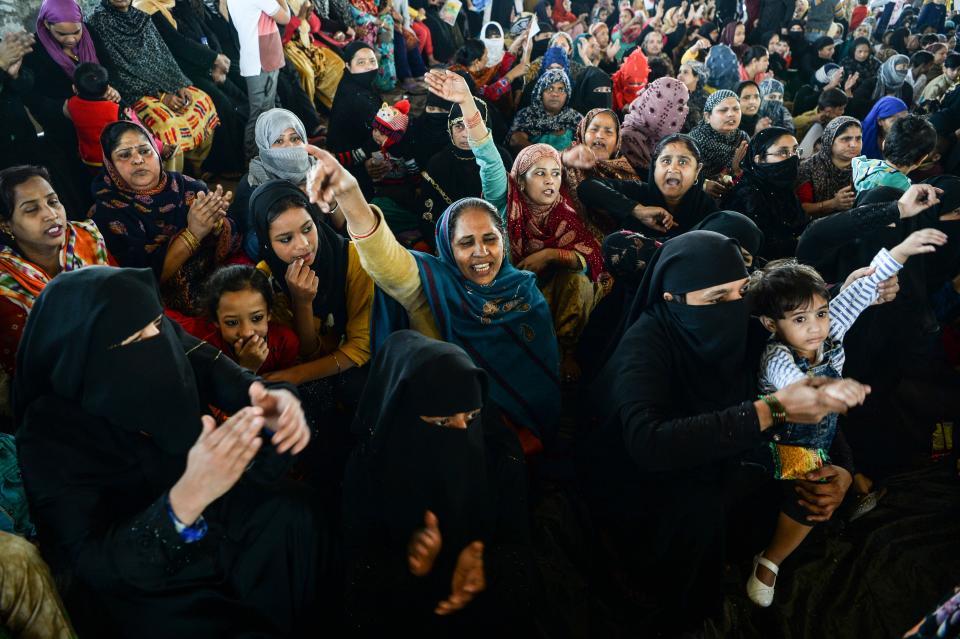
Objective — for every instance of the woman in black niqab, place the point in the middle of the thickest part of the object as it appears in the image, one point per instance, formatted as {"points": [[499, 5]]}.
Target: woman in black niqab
{"points": [[675, 403], [106, 422], [471, 478]]}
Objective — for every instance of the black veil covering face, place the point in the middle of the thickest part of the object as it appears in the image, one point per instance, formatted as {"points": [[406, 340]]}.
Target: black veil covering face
{"points": [[71, 348], [472, 479]]}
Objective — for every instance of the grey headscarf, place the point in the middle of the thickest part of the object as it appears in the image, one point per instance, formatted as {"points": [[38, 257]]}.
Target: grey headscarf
{"points": [[889, 77], [717, 97], [288, 163], [769, 86]]}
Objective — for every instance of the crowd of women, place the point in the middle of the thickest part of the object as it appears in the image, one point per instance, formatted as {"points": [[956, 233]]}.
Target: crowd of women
{"points": [[624, 283]]}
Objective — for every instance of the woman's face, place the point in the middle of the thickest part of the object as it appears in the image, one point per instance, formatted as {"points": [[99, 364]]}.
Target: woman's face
{"points": [[739, 35], [775, 97], [67, 34], [459, 136], [782, 149], [940, 55], [288, 138], [477, 247], [760, 65], [675, 171], [554, 97], [122, 5], [625, 16], [458, 421], [725, 117], [750, 100], [862, 31], [848, 144], [774, 44], [826, 53], [136, 161], [601, 136], [293, 236], [726, 292], [38, 218], [541, 183], [602, 36], [480, 63], [364, 60], [241, 315], [902, 67], [886, 123], [688, 77], [861, 53]]}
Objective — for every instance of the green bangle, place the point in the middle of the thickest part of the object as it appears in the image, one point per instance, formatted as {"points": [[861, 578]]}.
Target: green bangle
{"points": [[777, 411]]}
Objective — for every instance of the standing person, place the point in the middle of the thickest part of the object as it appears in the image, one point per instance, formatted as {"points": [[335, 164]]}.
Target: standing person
{"points": [[261, 56], [155, 513]]}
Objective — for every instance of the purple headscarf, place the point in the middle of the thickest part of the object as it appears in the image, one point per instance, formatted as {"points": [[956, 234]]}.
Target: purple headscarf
{"points": [[54, 11]]}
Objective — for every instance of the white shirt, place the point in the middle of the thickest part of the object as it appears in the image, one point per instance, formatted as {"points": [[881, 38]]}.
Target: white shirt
{"points": [[246, 15]]}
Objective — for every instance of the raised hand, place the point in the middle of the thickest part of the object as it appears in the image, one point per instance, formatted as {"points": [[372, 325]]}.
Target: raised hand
{"points": [[917, 243], [918, 198], [327, 179], [424, 546], [738, 156], [216, 462], [579, 157], [468, 580], [283, 415], [448, 85]]}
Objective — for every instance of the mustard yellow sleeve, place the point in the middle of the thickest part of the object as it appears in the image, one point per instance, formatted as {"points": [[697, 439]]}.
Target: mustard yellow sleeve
{"points": [[688, 56], [356, 344], [391, 266]]}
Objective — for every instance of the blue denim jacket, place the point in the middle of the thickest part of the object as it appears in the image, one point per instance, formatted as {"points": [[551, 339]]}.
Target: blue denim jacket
{"points": [[807, 435]]}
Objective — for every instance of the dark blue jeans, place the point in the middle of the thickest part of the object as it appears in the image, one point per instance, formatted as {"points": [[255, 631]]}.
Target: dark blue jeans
{"points": [[410, 65]]}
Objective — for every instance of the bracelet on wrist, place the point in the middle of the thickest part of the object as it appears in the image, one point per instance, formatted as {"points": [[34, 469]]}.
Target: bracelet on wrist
{"points": [[777, 411]]}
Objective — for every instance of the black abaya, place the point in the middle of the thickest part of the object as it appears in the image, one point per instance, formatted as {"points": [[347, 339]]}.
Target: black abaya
{"points": [[98, 460]]}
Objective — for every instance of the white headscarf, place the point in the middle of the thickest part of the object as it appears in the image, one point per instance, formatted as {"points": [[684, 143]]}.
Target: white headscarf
{"points": [[494, 45]]}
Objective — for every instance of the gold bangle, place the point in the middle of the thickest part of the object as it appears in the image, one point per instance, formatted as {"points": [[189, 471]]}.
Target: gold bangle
{"points": [[191, 240], [337, 362]]}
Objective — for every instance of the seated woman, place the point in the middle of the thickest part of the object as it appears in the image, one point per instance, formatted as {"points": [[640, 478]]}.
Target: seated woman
{"points": [[890, 81], [677, 415], [469, 295], [155, 514], [599, 131], [659, 110], [739, 227], [161, 220], [282, 155], [877, 124], [670, 202], [435, 490], [693, 74], [629, 80], [320, 289], [354, 108], [748, 93], [148, 78], [452, 174], [493, 80], [39, 244], [548, 119], [765, 192], [201, 56], [721, 141], [825, 182]]}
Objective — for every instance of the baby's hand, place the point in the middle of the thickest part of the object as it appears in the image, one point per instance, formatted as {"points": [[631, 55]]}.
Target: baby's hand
{"points": [[918, 243]]}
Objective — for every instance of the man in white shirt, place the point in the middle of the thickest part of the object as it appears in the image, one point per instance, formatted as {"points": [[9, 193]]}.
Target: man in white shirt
{"points": [[261, 55]]}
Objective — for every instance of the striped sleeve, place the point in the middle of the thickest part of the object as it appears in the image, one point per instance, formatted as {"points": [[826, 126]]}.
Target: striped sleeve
{"points": [[846, 307], [777, 368]]}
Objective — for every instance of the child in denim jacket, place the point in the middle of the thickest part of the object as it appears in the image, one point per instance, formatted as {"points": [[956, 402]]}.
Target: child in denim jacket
{"points": [[808, 328]]}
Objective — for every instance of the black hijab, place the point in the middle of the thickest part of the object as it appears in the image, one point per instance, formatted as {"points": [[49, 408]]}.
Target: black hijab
{"points": [[354, 106], [330, 262], [404, 466], [736, 226], [71, 348], [709, 343], [693, 206], [747, 122], [592, 90]]}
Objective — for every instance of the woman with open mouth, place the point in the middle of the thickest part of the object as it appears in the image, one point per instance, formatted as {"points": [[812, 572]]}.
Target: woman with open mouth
{"points": [[468, 294], [158, 219], [720, 140], [38, 244]]}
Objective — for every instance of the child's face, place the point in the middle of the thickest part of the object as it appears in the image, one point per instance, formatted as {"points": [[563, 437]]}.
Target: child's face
{"points": [[241, 315], [804, 329], [378, 137]]}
